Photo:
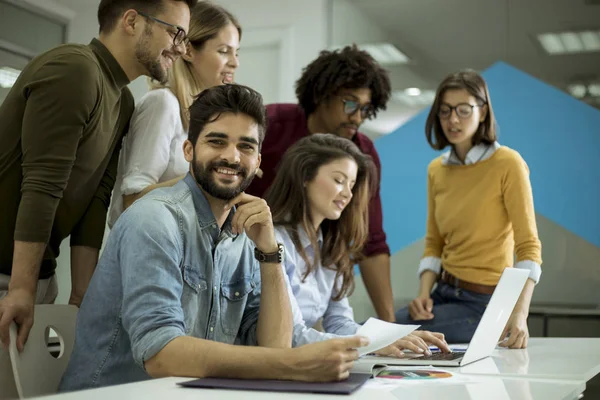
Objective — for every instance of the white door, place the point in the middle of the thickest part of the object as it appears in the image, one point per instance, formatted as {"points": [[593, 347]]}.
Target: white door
{"points": [[259, 69], [265, 63]]}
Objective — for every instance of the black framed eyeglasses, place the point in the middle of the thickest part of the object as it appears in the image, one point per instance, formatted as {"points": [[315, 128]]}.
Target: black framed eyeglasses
{"points": [[351, 106], [179, 37], [463, 110]]}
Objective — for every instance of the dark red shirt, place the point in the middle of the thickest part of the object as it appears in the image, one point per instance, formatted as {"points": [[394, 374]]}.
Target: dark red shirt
{"points": [[287, 125]]}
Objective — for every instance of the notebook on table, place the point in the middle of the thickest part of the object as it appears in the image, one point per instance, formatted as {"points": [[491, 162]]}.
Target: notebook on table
{"points": [[484, 340], [347, 386]]}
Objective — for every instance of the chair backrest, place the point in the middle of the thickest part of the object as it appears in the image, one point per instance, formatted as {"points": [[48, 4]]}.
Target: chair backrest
{"points": [[36, 371], [8, 390]]}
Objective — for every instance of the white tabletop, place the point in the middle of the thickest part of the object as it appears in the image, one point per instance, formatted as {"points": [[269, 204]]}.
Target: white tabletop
{"points": [[482, 388], [550, 368], [576, 359]]}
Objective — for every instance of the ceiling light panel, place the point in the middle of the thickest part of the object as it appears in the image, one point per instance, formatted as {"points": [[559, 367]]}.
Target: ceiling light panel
{"points": [[594, 89], [570, 42], [411, 99], [8, 77], [385, 53], [590, 40]]}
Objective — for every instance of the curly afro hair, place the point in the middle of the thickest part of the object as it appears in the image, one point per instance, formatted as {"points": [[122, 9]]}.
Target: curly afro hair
{"points": [[348, 68]]}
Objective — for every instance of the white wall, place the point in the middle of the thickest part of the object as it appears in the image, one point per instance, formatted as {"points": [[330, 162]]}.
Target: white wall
{"points": [[297, 27], [349, 25]]}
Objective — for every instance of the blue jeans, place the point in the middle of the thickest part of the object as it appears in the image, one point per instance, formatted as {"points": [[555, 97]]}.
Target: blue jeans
{"points": [[456, 311]]}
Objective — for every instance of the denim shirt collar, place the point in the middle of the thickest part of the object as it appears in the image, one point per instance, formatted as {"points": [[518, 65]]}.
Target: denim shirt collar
{"points": [[203, 210]]}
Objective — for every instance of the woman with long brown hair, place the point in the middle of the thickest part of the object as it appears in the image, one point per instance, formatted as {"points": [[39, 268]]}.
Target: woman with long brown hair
{"points": [[152, 154], [319, 202]]}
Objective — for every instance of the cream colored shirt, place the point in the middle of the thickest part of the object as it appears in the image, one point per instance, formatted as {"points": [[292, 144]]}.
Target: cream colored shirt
{"points": [[152, 150]]}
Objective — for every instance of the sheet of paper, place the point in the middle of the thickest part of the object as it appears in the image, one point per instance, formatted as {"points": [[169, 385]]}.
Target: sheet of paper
{"points": [[382, 334]]}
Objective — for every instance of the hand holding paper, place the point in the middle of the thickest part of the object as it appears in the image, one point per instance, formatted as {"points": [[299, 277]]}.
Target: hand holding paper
{"points": [[382, 334]]}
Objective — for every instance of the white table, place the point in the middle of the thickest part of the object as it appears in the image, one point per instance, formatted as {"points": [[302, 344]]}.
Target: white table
{"points": [[550, 368], [486, 388], [575, 359]]}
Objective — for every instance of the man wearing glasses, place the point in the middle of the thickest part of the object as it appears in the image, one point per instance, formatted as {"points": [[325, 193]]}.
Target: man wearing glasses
{"points": [[61, 127], [337, 92]]}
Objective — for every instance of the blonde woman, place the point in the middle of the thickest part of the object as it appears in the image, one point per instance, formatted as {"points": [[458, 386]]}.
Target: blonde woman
{"points": [[152, 155]]}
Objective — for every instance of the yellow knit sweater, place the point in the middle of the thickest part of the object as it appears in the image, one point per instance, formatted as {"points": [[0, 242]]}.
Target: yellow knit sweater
{"points": [[479, 215]]}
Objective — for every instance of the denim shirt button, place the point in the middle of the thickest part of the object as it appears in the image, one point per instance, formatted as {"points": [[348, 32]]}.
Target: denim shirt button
{"points": [[212, 329], [237, 294], [215, 288]]}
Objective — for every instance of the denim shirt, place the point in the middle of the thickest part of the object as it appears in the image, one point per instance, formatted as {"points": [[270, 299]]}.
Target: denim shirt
{"points": [[167, 271], [312, 298]]}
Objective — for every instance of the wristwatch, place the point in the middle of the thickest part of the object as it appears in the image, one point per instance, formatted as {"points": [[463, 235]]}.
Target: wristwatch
{"points": [[275, 258]]}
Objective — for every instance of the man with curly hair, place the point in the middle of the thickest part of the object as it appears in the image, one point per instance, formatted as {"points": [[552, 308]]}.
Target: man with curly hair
{"points": [[336, 93]]}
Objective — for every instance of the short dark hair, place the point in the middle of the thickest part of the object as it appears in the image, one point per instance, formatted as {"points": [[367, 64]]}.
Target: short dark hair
{"points": [[348, 68], [473, 83], [109, 11], [236, 99]]}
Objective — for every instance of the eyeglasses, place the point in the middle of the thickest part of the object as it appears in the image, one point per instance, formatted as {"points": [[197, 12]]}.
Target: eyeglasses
{"points": [[351, 106], [463, 110], [179, 37]]}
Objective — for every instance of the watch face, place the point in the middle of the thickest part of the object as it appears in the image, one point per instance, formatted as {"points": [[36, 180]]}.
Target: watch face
{"points": [[281, 252]]}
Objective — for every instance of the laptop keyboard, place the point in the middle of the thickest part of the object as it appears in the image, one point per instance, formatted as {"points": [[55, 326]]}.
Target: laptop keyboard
{"points": [[442, 356]]}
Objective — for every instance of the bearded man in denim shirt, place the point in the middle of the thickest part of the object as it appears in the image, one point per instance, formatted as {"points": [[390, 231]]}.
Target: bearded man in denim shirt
{"points": [[179, 284]]}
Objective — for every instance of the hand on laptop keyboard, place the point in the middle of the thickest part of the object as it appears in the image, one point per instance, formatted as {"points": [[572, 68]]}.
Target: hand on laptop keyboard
{"points": [[417, 342], [442, 356]]}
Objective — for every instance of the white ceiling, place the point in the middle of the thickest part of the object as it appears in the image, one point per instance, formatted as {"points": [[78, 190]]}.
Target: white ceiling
{"points": [[441, 36]]}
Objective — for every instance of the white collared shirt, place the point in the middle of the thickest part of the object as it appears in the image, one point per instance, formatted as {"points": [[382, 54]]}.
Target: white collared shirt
{"points": [[478, 153], [152, 149], [312, 298]]}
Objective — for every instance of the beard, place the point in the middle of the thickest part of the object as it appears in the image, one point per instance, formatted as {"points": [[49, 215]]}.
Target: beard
{"points": [[205, 178], [342, 130], [150, 63]]}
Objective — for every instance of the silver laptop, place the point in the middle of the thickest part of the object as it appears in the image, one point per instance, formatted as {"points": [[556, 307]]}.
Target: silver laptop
{"points": [[488, 331]]}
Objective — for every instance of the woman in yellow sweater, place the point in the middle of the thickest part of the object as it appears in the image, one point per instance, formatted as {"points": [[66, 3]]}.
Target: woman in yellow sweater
{"points": [[480, 213]]}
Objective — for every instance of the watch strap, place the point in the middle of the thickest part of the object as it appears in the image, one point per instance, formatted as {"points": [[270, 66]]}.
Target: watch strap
{"points": [[276, 258]]}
